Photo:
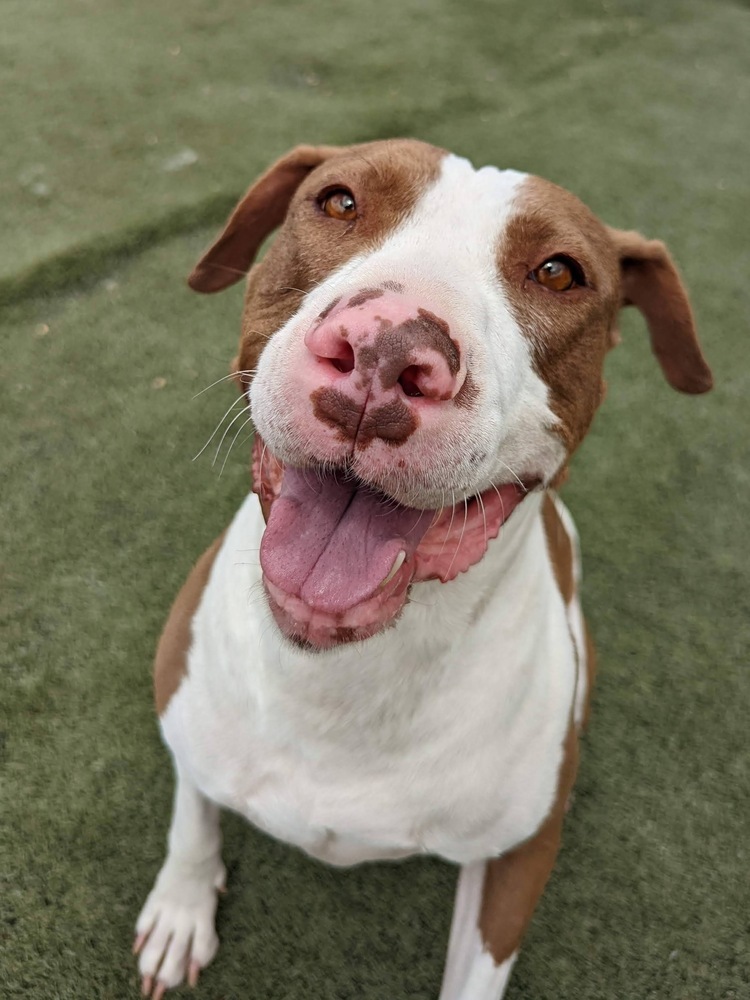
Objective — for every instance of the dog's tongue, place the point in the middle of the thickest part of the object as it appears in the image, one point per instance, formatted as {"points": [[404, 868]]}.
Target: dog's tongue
{"points": [[332, 543]]}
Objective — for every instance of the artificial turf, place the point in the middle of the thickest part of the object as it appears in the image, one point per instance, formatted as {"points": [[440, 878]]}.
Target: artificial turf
{"points": [[642, 110]]}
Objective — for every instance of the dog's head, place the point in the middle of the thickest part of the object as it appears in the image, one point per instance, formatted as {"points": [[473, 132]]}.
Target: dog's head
{"points": [[422, 345]]}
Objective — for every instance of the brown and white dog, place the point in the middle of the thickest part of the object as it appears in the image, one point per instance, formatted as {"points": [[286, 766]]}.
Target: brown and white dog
{"points": [[407, 670]]}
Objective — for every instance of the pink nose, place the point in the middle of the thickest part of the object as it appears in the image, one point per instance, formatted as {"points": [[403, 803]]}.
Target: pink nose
{"points": [[390, 341]]}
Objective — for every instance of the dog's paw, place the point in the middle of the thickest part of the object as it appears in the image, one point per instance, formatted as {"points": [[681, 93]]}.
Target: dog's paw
{"points": [[175, 935]]}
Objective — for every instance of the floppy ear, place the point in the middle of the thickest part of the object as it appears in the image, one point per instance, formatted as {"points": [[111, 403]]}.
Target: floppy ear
{"points": [[650, 281], [259, 212]]}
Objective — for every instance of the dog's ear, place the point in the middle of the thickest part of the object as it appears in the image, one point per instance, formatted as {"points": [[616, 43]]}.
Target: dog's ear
{"points": [[259, 212], [650, 281]]}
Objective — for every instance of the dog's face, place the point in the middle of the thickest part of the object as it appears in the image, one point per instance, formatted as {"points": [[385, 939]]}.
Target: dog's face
{"points": [[422, 346]]}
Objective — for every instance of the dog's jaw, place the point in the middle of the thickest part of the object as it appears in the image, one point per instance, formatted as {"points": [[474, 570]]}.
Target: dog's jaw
{"points": [[339, 558]]}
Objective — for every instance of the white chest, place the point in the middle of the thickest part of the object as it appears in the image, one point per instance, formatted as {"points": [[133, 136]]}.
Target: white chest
{"points": [[441, 735]]}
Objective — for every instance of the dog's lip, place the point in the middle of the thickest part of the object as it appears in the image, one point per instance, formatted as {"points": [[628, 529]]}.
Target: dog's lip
{"points": [[411, 546], [267, 471]]}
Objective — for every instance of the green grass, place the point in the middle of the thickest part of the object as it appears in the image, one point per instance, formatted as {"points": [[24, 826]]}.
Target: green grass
{"points": [[639, 108]]}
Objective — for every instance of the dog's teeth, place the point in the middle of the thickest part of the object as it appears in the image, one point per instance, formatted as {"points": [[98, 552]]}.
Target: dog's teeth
{"points": [[398, 562]]}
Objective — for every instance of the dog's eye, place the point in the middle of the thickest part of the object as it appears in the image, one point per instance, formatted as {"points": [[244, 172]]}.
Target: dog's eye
{"points": [[339, 204], [558, 274]]}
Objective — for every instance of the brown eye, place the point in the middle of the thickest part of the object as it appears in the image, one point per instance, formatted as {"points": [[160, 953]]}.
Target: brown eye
{"points": [[339, 204], [559, 274]]}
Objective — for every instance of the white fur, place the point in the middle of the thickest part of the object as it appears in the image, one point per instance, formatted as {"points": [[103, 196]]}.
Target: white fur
{"points": [[178, 915], [471, 973], [487, 981], [464, 945], [441, 735]]}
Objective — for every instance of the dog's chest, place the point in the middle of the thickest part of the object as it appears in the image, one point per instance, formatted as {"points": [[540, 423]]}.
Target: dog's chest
{"points": [[391, 749], [444, 793]]}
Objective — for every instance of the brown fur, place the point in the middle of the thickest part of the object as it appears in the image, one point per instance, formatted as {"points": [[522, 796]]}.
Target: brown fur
{"points": [[591, 662], [386, 179], [258, 213], [572, 331], [338, 410], [560, 549], [392, 422], [330, 307], [514, 882], [170, 665], [392, 349], [651, 282], [366, 295], [569, 331]]}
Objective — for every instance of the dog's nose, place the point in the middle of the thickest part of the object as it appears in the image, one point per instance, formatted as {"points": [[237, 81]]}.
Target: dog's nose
{"points": [[390, 341]]}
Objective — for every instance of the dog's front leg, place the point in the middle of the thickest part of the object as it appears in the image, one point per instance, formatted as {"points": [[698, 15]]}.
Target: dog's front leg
{"points": [[494, 903], [175, 933], [495, 900]]}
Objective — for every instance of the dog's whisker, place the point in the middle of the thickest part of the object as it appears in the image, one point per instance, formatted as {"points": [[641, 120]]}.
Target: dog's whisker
{"points": [[438, 513], [233, 441], [450, 526], [218, 426], [262, 456], [249, 371], [461, 538], [484, 517], [259, 333], [517, 478], [502, 505], [238, 416]]}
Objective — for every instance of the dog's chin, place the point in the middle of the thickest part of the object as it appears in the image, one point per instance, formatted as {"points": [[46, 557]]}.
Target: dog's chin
{"points": [[339, 557], [313, 631]]}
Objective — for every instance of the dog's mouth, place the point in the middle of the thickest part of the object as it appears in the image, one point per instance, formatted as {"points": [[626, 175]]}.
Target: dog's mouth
{"points": [[339, 557]]}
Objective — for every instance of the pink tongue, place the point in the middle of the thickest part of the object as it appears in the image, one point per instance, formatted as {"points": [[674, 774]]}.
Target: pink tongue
{"points": [[332, 542]]}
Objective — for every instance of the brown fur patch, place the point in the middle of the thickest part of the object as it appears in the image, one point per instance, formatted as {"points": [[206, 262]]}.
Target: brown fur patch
{"points": [[257, 214], [170, 663], [393, 346], [329, 308], [393, 423], [386, 179], [436, 333], [569, 331], [514, 882], [591, 662], [560, 548], [338, 410], [364, 296]]}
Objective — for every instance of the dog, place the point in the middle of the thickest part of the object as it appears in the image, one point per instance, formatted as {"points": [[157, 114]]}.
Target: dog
{"points": [[408, 669]]}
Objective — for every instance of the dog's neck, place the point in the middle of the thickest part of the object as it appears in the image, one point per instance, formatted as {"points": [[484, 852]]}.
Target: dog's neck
{"points": [[368, 690]]}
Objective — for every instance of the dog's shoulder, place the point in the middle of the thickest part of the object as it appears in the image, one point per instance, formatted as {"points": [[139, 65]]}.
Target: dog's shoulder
{"points": [[170, 662]]}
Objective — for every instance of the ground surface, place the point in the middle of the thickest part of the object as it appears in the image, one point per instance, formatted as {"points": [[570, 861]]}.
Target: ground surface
{"points": [[127, 128]]}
